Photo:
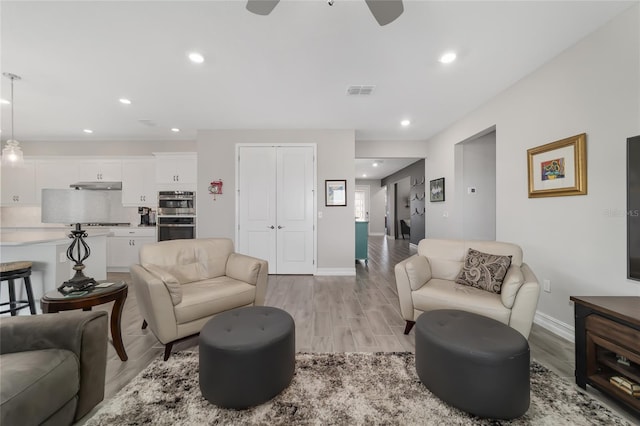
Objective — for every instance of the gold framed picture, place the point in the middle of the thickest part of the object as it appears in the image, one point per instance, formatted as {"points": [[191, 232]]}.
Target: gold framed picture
{"points": [[558, 168]]}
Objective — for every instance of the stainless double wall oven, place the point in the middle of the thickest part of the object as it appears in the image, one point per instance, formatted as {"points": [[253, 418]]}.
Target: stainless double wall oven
{"points": [[176, 215]]}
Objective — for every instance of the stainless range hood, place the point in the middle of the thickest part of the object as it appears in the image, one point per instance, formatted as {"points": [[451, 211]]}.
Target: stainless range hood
{"points": [[98, 185]]}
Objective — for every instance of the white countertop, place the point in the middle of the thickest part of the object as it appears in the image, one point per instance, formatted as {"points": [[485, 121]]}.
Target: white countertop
{"points": [[10, 237]]}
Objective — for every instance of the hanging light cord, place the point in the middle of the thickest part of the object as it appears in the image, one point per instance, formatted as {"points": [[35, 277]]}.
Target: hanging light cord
{"points": [[12, 78]]}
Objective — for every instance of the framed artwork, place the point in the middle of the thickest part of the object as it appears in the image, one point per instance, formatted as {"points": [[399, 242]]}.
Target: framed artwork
{"points": [[436, 190], [335, 193], [558, 168]]}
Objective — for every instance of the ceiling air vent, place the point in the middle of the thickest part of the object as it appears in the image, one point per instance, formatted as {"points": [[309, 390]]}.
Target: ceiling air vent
{"points": [[360, 90], [147, 122]]}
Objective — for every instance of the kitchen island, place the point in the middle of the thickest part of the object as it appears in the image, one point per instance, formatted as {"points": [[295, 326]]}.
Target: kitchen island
{"points": [[47, 249]]}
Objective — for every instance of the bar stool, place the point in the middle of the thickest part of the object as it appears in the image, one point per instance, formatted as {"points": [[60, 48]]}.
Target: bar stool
{"points": [[11, 271]]}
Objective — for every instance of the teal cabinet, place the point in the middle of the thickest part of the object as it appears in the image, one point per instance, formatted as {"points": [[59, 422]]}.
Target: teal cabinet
{"points": [[362, 241]]}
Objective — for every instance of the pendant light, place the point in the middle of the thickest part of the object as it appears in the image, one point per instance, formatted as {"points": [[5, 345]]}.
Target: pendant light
{"points": [[11, 153]]}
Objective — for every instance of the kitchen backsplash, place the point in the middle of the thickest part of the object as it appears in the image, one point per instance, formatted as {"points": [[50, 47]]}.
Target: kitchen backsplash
{"points": [[30, 216]]}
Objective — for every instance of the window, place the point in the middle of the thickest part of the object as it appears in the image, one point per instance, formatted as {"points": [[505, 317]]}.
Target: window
{"points": [[361, 212]]}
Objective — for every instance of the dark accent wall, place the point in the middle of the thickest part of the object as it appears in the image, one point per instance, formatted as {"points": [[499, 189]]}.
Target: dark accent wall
{"points": [[417, 196]]}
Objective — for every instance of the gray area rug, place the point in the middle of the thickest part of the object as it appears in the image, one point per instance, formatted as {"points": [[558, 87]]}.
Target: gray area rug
{"points": [[336, 389]]}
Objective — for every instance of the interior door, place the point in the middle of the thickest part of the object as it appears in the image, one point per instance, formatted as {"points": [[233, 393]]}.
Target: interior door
{"points": [[295, 195], [257, 203], [276, 206]]}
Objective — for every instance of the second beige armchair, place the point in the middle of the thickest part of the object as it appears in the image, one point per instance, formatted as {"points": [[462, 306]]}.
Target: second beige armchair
{"points": [[426, 281], [180, 284]]}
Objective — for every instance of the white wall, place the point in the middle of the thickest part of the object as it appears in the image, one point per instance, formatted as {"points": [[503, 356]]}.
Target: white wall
{"points": [[376, 205], [478, 171], [391, 149], [107, 147], [335, 150], [593, 87]]}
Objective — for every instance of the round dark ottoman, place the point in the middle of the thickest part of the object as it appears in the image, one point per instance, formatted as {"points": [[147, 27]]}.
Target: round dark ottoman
{"points": [[247, 356], [474, 363]]}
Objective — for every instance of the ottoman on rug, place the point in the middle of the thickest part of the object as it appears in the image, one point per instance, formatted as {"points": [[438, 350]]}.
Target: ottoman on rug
{"points": [[474, 363], [247, 356]]}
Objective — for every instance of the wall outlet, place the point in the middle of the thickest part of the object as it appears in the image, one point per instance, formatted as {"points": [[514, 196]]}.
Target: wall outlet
{"points": [[471, 190], [546, 286], [445, 214], [319, 215]]}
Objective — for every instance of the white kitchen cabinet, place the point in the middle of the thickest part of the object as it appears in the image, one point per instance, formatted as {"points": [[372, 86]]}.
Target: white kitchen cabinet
{"points": [[138, 183], [18, 185], [124, 246], [100, 170], [175, 170], [59, 174]]}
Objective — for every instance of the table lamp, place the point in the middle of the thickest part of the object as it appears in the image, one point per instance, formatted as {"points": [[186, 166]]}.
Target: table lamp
{"points": [[75, 206]]}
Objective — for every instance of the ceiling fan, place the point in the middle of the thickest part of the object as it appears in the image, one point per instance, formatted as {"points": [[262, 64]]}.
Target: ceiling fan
{"points": [[385, 11]]}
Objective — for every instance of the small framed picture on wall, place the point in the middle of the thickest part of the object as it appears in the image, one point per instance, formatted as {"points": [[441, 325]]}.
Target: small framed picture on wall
{"points": [[335, 193], [436, 190]]}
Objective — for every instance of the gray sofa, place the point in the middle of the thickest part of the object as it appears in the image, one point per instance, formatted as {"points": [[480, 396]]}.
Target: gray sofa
{"points": [[52, 367]]}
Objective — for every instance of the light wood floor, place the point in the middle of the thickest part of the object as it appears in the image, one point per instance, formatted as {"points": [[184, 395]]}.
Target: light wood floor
{"points": [[332, 314]]}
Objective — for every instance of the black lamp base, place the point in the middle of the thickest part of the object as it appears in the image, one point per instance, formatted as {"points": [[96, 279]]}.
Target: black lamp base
{"points": [[78, 252], [78, 283]]}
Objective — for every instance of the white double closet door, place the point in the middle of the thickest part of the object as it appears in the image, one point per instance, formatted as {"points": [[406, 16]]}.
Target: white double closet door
{"points": [[276, 204]]}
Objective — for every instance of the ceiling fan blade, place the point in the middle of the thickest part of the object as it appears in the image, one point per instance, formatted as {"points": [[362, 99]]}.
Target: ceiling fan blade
{"points": [[385, 11], [261, 7]]}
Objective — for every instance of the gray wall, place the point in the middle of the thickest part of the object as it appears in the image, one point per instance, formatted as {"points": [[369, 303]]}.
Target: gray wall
{"points": [[574, 241], [415, 173], [335, 154]]}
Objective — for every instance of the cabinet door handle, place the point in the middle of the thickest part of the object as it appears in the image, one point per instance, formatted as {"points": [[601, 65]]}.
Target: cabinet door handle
{"points": [[280, 227], [271, 227]]}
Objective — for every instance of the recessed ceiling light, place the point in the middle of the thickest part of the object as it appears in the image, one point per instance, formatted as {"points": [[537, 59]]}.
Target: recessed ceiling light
{"points": [[405, 123], [448, 57], [87, 130], [4, 102], [175, 129], [125, 101], [364, 175], [195, 57], [375, 164]]}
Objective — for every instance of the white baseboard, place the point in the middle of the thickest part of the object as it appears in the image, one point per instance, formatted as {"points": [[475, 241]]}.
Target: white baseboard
{"points": [[413, 246], [556, 327], [117, 269], [376, 234], [336, 272]]}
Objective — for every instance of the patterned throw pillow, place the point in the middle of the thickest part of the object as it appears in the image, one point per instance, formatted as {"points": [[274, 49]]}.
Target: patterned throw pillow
{"points": [[484, 271]]}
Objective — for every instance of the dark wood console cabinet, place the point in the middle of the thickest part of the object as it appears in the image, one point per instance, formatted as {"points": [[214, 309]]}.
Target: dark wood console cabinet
{"points": [[607, 327]]}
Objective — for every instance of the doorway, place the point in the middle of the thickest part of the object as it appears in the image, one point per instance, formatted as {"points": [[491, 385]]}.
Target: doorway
{"points": [[475, 178], [276, 204]]}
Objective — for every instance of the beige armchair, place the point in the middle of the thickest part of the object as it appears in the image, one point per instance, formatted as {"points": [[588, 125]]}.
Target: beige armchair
{"points": [[426, 281], [180, 284]]}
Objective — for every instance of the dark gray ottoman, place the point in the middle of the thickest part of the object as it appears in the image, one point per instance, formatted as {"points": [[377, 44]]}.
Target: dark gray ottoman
{"points": [[247, 356], [474, 363]]}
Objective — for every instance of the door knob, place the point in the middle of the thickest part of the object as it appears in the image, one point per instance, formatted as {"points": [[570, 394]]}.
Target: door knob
{"points": [[280, 227], [271, 227]]}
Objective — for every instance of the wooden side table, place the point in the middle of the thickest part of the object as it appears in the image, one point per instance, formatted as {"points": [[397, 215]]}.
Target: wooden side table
{"points": [[54, 301], [608, 327]]}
